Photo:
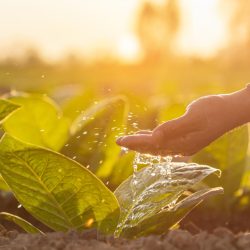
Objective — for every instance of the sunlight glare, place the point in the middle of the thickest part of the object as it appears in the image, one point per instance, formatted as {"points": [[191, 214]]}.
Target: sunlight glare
{"points": [[128, 48]]}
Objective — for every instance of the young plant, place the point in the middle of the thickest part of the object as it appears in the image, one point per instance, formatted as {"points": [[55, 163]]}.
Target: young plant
{"points": [[63, 194]]}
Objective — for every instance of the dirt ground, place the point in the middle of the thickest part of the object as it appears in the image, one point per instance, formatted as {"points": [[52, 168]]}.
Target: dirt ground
{"points": [[219, 239], [199, 231]]}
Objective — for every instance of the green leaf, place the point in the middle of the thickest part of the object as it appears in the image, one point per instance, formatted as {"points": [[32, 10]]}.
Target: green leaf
{"points": [[74, 106], [155, 188], [229, 154], [39, 121], [7, 108], [3, 185], [56, 190], [168, 218], [122, 169], [174, 110], [94, 133], [25, 225]]}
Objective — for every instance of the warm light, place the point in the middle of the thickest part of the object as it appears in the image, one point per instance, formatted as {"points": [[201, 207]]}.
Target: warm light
{"points": [[128, 48], [204, 30]]}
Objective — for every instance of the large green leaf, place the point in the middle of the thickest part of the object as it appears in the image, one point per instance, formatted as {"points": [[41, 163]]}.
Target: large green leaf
{"points": [[56, 190], [39, 121], [93, 136], [7, 108], [25, 225], [167, 218], [229, 154], [155, 188]]}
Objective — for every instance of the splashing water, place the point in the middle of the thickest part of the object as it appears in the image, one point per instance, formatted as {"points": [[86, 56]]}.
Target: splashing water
{"points": [[159, 163], [157, 166]]}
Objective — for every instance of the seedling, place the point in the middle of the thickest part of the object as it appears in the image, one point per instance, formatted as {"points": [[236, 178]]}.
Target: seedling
{"points": [[63, 194]]}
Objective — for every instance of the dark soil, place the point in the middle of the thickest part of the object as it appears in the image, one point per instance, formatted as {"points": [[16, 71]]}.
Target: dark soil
{"points": [[219, 239], [200, 230]]}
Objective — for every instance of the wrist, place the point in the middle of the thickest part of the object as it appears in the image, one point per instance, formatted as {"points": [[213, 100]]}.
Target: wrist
{"points": [[238, 106]]}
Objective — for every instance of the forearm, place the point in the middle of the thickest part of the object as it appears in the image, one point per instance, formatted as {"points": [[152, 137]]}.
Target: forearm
{"points": [[238, 104]]}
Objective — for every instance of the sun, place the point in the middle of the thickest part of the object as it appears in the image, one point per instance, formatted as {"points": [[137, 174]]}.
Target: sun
{"points": [[128, 48]]}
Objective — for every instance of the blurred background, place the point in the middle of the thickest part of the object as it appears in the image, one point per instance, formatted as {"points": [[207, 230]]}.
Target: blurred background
{"points": [[159, 53]]}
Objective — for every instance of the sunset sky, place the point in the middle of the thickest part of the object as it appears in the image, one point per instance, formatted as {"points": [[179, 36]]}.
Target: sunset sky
{"points": [[89, 27]]}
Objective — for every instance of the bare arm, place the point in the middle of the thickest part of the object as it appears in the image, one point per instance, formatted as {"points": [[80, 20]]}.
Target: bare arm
{"points": [[206, 119]]}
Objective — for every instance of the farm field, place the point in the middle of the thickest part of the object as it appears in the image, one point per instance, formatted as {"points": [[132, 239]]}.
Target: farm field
{"points": [[66, 184]]}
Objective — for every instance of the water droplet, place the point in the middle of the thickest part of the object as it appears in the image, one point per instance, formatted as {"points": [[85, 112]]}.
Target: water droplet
{"points": [[19, 206], [84, 132], [74, 157]]}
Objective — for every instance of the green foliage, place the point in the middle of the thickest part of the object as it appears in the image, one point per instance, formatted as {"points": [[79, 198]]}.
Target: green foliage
{"points": [[56, 190], [174, 110], [3, 184], [74, 106], [123, 168], [7, 108], [229, 154], [39, 122], [166, 219], [154, 191], [93, 135], [25, 225], [64, 195]]}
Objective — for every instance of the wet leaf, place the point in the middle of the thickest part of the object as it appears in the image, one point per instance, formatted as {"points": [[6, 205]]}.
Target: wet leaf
{"points": [[38, 121], [155, 188], [167, 218], [93, 136], [56, 190], [25, 225]]}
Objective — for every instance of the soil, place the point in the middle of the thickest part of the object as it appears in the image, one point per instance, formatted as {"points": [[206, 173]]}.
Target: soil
{"points": [[219, 239], [199, 231]]}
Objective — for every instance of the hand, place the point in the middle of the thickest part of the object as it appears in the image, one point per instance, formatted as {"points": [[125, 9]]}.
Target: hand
{"points": [[205, 119]]}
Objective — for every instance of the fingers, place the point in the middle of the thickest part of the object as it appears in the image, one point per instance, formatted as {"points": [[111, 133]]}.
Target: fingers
{"points": [[138, 142]]}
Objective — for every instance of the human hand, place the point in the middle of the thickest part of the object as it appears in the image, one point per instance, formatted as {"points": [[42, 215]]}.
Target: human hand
{"points": [[205, 119]]}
